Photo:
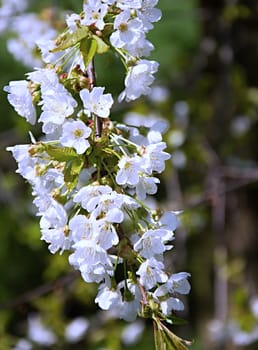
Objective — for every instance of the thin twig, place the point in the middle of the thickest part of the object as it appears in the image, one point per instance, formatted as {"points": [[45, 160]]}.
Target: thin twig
{"points": [[245, 176], [92, 77], [41, 290]]}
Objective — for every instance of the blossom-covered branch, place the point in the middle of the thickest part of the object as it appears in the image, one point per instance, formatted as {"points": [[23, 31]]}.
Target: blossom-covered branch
{"points": [[91, 175]]}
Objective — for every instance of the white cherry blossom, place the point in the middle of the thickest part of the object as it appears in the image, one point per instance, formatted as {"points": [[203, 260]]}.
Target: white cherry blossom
{"points": [[75, 134], [171, 304], [138, 80], [81, 227], [108, 298], [151, 272], [26, 164], [92, 261], [108, 204], [146, 185], [178, 283], [88, 196], [56, 108], [169, 220], [46, 77], [107, 235], [50, 180], [152, 243], [19, 96], [155, 157], [148, 13], [94, 13], [96, 102], [53, 226], [127, 30], [72, 21], [129, 168]]}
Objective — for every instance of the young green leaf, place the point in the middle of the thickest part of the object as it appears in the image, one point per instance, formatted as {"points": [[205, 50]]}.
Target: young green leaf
{"points": [[70, 39], [88, 48], [167, 340], [61, 154], [102, 47], [159, 341], [72, 172]]}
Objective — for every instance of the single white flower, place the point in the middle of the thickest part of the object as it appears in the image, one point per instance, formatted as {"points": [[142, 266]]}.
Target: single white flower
{"points": [[171, 304], [169, 221], [48, 181], [92, 260], [129, 168], [146, 185], [53, 226], [107, 204], [23, 46], [44, 76], [128, 309], [42, 202], [155, 157], [26, 164], [81, 227], [75, 134], [108, 297], [138, 80], [56, 108], [94, 13], [140, 46], [152, 243], [151, 271], [148, 13], [107, 236], [46, 46], [127, 30], [20, 98], [89, 195], [72, 22], [96, 102], [23, 344], [178, 283]]}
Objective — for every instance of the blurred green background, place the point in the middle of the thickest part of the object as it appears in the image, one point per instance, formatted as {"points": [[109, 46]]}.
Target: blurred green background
{"points": [[208, 56]]}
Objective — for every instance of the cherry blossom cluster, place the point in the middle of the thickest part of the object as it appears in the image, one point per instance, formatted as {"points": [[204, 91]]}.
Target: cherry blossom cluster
{"points": [[91, 176]]}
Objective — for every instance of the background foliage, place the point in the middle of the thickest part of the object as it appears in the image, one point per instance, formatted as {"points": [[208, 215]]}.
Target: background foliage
{"points": [[208, 54]]}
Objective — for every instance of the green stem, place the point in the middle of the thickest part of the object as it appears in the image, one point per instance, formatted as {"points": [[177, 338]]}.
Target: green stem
{"points": [[109, 173]]}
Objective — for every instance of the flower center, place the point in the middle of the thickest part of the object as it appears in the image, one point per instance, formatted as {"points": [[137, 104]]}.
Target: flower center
{"points": [[78, 133], [123, 27]]}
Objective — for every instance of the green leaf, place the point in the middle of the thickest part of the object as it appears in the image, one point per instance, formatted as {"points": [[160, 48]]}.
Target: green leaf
{"points": [[70, 39], [88, 48], [176, 320], [102, 47], [72, 172], [167, 340], [159, 341], [63, 154]]}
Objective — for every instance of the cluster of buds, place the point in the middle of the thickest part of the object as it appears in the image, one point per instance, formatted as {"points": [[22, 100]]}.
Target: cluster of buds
{"points": [[91, 175]]}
